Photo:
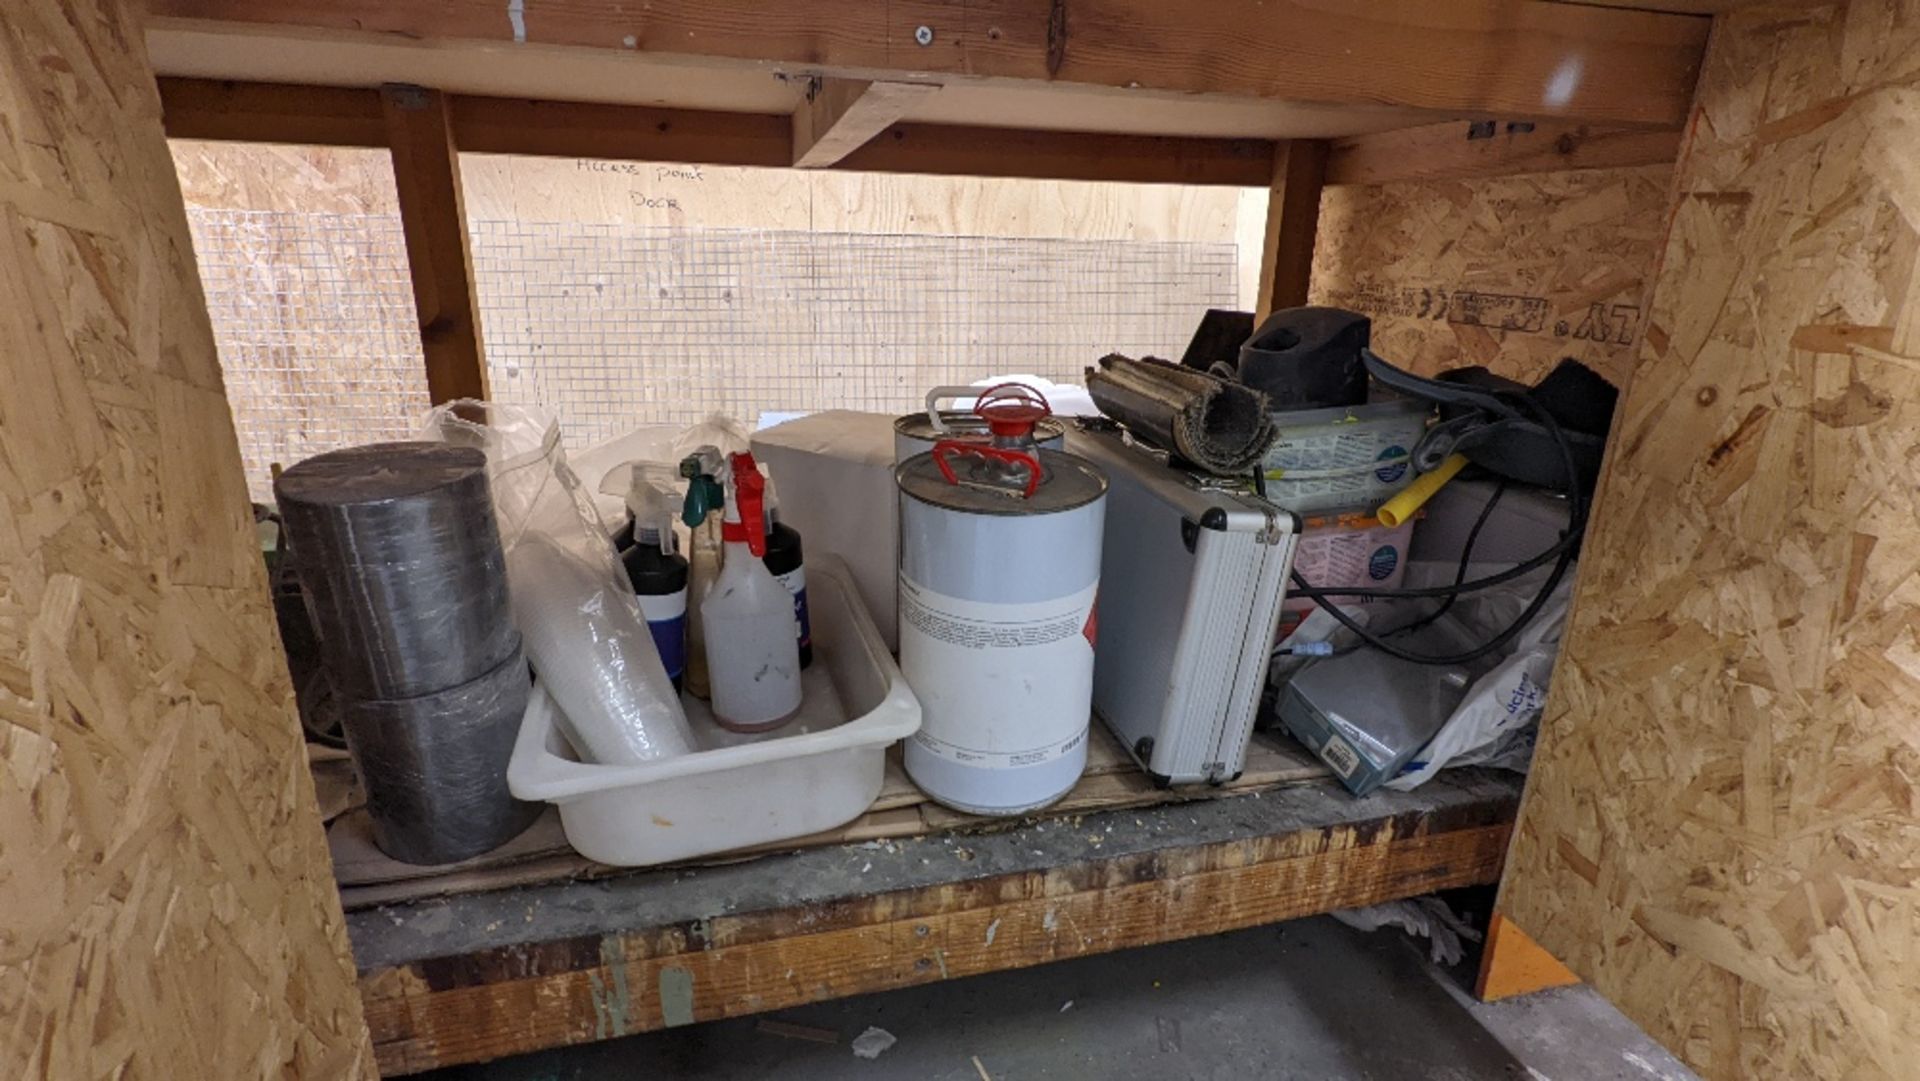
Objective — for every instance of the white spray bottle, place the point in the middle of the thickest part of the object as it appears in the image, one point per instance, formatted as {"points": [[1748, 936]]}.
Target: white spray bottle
{"points": [[753, 658]]}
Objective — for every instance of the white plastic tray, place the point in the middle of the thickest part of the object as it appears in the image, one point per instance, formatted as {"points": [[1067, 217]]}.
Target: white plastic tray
{"points": [[821, 770]]}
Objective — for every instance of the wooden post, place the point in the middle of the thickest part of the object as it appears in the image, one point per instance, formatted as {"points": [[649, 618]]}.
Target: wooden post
{"points": [[1293, 217], [426, 174]]}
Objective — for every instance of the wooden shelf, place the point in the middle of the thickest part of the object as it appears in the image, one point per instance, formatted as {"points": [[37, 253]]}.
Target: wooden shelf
{"points": [[483, 975]]}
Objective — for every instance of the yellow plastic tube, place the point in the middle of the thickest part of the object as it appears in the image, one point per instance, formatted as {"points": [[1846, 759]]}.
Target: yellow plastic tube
{"points": [[1414, 496]]}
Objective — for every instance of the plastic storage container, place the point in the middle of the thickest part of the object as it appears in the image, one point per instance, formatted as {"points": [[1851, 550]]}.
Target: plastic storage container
{"points": [[1341, 457], [1346, 550], [823, 769]]}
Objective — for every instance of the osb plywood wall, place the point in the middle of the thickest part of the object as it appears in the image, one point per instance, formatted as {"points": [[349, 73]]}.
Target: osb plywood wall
{"points": [[166, 908], [1722, 828], [1513, 273]]}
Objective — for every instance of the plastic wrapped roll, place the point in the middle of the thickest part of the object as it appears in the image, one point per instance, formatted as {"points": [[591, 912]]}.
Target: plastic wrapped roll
{"points": [[591, 647], [399, 555], [435, 767]]}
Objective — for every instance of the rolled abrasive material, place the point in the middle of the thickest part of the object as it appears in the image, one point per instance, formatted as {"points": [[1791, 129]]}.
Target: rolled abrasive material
{"points": [[400, 560], [435, 767], [1220, 426]]}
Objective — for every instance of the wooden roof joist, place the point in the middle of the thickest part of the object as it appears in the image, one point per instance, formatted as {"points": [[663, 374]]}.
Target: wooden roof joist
{"points": [[278, 113], [338, 116], [1512, 59], [1459, 149], [272, 113]]}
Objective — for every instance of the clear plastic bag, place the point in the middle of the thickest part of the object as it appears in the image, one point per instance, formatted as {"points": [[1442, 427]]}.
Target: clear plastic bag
{"points": [[719, 431], [580, 621], [602, 468]]}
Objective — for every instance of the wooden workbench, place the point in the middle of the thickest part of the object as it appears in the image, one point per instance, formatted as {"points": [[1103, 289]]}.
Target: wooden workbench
{"points": [[482, 975]]}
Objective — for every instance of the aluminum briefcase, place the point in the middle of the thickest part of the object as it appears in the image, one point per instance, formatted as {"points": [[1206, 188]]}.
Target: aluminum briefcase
{"points": [[1193, 570]]}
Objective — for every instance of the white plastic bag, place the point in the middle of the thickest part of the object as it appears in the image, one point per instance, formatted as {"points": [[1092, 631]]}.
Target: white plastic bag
{"points": [[1425, 917], [576, 613], [1495, 723]]}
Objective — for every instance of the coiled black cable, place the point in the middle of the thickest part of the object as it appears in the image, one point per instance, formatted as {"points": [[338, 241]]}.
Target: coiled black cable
{"points": [[1565, 550]]}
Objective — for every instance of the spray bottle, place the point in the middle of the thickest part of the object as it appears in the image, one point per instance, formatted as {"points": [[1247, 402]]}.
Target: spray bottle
{"points": [[654, 565], [701, 513], [788, 564], [753, 656]]}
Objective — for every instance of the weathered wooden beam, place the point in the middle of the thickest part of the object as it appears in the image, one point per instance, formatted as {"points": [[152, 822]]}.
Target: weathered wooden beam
{"points": [[1293, 221], [956, 150], [619, 132], [838, 116], [475, 977], [272, 113], [1461, 150], [426, 176], [1524, 59]]}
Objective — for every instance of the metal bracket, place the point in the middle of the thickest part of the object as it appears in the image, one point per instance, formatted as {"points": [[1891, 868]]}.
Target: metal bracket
{"points": [[406, 96]]}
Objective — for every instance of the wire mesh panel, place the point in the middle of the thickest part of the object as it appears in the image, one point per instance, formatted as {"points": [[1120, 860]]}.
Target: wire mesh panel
{"points": [[314, 320], [610, 326]]}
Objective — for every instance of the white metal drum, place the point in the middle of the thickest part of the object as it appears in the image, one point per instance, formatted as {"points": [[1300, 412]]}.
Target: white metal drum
{"points": [[999, 577]]}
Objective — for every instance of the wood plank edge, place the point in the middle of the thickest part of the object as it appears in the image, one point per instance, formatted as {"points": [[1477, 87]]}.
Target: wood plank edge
{"points": [[1543, 60], [876, 824], [336, 116], [223, 111], [417, 1027], [1446, 152]]}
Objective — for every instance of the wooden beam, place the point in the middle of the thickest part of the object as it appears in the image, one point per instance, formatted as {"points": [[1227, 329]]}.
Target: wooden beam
{"points": [[475, 977], [1454, 151], [620, 132], [1064, 155], [1293, 221], [1524, 59], [272, 113], [839, 116], [426, 175]]}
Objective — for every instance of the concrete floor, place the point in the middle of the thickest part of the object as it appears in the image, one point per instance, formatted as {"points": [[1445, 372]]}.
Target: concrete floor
{"points": [[1311, 1000]]}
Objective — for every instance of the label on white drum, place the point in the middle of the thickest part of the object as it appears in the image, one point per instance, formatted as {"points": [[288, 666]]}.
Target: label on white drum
{"points": [[1000, 685], [986, 760]]}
